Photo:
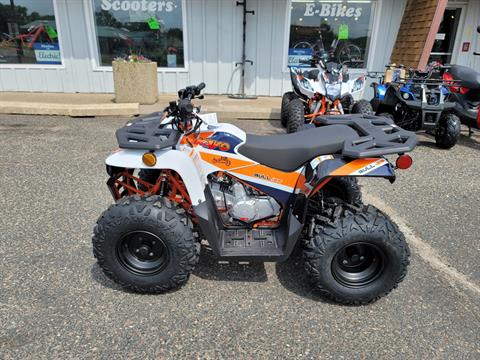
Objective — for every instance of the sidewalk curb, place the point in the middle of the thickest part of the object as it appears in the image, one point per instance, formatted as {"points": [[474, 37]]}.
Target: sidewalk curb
{"points": [[74, 110]]}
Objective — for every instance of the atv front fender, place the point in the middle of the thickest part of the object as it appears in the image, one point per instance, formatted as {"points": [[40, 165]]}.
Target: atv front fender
{"points": [[175, 160]]}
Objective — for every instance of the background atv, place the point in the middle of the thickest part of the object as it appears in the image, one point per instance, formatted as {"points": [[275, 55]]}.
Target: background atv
{"points": [[324, 90], [419, 102], [464, 86]]}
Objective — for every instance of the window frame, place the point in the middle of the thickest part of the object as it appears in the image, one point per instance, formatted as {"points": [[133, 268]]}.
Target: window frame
{"points": [[94, 47], [373, 38], [44, 66]]}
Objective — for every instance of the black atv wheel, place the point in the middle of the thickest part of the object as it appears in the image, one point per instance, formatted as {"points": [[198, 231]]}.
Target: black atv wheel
{"points": [[145, 244], [357, 257], [286, 98], [387, 115], [447, 131], [296, 115], [362, 107]]}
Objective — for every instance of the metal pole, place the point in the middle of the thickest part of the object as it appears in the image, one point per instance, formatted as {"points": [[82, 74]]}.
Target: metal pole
{"points": [[244, 61]]}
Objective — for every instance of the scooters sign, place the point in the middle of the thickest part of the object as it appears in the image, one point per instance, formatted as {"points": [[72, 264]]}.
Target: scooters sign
{"points": [[138, 5], [332, 10]]}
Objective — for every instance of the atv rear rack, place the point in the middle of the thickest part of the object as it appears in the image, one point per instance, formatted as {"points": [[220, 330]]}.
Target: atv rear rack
{"points": [[146, 133], [378, 135]]}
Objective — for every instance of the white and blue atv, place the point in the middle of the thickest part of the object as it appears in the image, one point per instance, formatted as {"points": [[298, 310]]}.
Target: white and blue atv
{"points": [[179, 177], [325, 89]]}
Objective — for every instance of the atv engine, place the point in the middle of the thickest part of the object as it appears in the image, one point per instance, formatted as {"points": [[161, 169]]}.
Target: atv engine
{"points": [[238, 203]]}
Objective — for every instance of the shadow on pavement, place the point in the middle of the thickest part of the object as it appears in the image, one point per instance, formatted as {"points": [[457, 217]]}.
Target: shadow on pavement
{"points": [[208, 268], [472, 142], [292, 277], [99, 277]]}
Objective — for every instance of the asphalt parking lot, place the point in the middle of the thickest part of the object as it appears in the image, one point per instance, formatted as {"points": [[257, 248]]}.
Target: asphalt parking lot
{"points": [[56, 303]]}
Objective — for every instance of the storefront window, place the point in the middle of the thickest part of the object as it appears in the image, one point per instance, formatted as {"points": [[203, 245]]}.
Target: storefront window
{"points": [[335, 30], [28, 32], [149, 28]]}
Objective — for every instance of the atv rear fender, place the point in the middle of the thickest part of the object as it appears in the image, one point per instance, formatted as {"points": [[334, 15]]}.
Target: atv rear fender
{"points": [[175, 160]]}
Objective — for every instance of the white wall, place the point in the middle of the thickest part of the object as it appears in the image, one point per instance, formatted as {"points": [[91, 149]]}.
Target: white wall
{"points": [[214, 35], [467, 32]]}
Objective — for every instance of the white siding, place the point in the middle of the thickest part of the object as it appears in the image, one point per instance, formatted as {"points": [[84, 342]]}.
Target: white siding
{"points": [[214, 41]]}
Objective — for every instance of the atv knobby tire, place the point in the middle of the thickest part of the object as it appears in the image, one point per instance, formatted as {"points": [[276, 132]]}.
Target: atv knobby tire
{"points": [[349, 233], [447, 131], [362, 107], [132, 222], [286, 98], [344, 188], [296, 115]]}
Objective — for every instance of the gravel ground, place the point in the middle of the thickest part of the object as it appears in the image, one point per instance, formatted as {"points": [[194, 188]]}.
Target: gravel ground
{"points": [[56, 303]]}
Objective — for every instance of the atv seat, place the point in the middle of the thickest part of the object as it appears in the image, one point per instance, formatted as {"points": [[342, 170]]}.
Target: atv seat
{"points": [[468, 77], [289, 152]]}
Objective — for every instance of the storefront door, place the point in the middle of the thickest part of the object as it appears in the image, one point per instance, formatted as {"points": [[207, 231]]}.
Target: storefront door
{"points": [[445, 39]]}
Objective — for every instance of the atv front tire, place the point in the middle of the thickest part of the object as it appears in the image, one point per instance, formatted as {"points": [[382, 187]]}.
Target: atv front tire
{"points": [[296, 115], [357, 257], [146, 244], [362, 107], [447, 131], [286, 98]]}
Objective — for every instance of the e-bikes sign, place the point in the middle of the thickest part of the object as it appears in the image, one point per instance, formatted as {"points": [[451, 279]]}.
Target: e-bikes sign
{"points": [[338, 10], [138, 5]]}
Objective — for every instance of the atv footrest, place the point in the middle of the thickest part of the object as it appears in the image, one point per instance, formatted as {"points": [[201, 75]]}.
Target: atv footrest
{"points": [[260, 243]]}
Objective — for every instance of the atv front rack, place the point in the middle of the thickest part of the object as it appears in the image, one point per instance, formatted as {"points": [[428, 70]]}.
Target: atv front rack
{"points": [[377, 135], [146, 133]]}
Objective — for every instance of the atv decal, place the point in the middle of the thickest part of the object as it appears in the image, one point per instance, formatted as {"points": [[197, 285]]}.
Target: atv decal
{"points": [[214, 144], [265, 173], [359, 167], [283, 196], [226, 142], [224, 162], [193, 140], [320, 159]]}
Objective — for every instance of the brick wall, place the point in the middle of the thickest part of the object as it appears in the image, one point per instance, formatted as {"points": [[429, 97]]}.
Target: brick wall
{"points": [[417, 32]]}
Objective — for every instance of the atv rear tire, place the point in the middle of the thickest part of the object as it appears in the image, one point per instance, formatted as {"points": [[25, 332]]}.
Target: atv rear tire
{"points": [[337, 191], [362, 107], [146, 244], [447, 131], [357, 257], [286, 98], [296, 115]]}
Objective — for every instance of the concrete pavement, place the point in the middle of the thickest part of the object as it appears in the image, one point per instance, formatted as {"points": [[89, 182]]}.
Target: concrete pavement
{"points": [[86, 105], [56, 303]]}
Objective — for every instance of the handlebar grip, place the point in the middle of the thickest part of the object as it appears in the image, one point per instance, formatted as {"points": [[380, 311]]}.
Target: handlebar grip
{"points": [[201, 86]]}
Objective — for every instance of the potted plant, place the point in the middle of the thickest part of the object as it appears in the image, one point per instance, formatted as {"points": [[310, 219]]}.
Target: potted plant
{"points": [[135, 80]]}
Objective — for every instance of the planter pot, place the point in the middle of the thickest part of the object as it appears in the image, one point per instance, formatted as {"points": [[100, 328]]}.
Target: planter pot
{"points": [[135, 82]]}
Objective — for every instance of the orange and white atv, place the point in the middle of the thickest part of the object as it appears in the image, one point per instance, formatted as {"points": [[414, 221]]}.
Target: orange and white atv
{"points": [[177, 179]]}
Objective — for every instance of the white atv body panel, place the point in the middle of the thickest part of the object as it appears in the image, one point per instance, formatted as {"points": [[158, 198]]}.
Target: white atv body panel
{"points": [[175, 160], [309, 87]]}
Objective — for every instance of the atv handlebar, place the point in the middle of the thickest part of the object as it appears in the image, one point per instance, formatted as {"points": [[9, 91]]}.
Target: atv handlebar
{"points": [[183, 111]]}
